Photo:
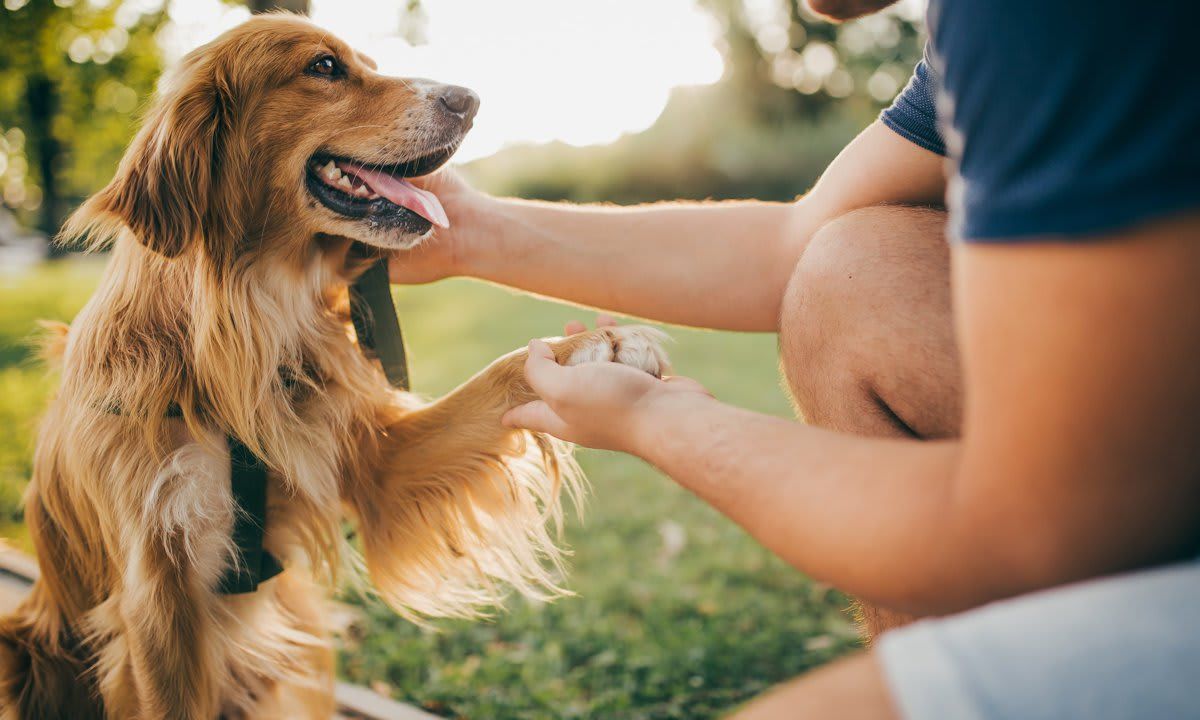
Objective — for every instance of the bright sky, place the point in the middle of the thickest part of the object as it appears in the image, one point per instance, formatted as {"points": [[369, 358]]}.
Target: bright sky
{"points": [[579, 71]]}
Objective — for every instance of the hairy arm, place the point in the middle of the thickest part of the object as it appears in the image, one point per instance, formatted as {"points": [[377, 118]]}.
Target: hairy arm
{"points": [[722, 265], [1078, 457]]}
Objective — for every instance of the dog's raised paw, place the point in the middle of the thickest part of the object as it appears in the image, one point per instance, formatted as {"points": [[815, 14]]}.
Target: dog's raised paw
{"points": [[637, 346]]}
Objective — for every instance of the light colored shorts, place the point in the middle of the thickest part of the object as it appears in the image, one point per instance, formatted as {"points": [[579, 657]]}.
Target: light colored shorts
{"points": [[1127, 646]]}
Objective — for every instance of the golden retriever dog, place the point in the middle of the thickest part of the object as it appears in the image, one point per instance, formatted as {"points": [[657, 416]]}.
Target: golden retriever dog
{"points": [[269, 172]]}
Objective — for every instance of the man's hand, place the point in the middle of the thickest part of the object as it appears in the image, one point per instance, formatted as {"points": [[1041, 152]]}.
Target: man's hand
{"points": [[441, 255], [598, 405]]}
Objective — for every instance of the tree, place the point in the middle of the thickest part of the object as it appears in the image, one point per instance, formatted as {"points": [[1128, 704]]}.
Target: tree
{"points": [[784, 60], [71, 76]]}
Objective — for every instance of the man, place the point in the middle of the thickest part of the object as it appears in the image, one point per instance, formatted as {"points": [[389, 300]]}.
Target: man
{"points": [[1034, 427]]}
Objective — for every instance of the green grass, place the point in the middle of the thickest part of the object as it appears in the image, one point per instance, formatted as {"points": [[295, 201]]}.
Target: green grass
{"points": [[677, 613], [53, 292]]}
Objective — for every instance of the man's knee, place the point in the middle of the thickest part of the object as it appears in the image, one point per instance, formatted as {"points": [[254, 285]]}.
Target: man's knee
{"points": [[843, 294], [815, 311]]}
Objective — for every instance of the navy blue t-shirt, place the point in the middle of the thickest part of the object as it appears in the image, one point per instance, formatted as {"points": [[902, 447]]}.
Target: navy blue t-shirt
{"points": [[1061, 117]]}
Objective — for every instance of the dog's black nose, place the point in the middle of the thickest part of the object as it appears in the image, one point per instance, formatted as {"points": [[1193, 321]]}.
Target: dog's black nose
{"points": [[460, 101]]}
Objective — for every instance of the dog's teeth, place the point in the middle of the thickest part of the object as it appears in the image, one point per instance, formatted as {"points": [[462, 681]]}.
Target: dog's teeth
{"points": [[344, 183], [361, 191]]}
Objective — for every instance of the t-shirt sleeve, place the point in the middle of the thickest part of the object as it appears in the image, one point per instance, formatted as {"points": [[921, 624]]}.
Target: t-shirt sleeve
{"points": [[1067, 119], [913, 114]]}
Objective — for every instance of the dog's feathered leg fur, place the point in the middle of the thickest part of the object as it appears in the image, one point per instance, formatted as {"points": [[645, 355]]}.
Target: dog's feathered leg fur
{"points": [[171, 650], [171, 627], [42, 674], [456, 511]]}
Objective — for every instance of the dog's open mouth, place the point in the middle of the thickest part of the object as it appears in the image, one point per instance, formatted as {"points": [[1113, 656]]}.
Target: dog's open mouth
{"points": [[379, 194]]}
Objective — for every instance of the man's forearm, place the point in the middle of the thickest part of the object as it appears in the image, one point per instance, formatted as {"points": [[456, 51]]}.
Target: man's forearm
{"points": [[722, 265], [873, 517], [715, 265]]}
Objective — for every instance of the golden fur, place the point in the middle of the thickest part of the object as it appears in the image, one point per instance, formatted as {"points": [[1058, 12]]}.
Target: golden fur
{"points": [[226, 293]]}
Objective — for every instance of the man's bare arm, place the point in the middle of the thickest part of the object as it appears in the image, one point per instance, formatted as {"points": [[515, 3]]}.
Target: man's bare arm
{"points": [[722, 265], [1078, 458]]}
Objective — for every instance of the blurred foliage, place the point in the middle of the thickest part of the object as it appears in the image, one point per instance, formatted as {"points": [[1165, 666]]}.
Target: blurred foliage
{"points": [[703, 146], [72, 75], [796, 89], [56, 291]]}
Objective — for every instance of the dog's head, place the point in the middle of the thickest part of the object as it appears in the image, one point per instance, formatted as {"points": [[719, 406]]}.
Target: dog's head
{"points": [[276, 133]]}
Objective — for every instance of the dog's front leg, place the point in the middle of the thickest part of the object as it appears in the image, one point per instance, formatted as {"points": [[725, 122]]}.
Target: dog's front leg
{"points": [[172, 644], [457, 509], [169, 632]]}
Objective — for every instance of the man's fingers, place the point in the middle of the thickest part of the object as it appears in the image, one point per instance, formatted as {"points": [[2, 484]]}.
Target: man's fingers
{"points": [[542, 371], [536, 416], [576, 326], [539, 350]]}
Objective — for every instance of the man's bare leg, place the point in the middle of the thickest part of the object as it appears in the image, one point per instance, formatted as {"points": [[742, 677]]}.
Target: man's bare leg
{"points": [[851, 689], [866, 336]]}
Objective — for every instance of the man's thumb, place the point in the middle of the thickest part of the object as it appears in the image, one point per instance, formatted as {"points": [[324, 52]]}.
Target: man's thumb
{"points": [[542, 371], [536, 416]]}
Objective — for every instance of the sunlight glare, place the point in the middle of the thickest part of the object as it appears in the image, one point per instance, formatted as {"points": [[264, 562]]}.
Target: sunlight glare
{"points": [[579, 71]]}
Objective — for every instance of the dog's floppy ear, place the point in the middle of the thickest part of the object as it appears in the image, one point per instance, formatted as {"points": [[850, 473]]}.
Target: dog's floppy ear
{"points": [[167, 187]]}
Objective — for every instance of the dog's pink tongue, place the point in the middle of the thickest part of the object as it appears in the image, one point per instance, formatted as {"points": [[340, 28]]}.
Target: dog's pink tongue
{"points": [[401, 192]]}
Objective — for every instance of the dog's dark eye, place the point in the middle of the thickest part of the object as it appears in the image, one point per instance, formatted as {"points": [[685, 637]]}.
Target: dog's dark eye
{"points": [[327, 66]]}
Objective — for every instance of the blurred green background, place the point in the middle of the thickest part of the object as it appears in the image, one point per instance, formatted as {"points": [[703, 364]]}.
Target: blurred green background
{"points": [[677, 613]]}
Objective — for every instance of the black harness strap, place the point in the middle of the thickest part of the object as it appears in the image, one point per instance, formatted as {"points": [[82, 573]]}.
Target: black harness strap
{"points": [[248, 480], [378, 331], [376, 323]]}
